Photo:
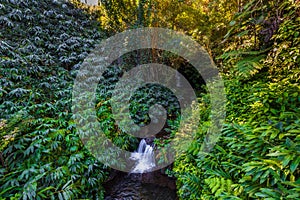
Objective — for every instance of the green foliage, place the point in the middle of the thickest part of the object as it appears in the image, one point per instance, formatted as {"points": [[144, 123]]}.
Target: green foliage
{"points": [[42, 44], [204, 20], [284, 57], [264, 36], [46, 159], [119, 15], [257, 156], [41, 155], [141, 100]]}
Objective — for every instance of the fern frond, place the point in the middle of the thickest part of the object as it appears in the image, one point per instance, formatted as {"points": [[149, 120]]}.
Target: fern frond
{"points": [[193, 184]]}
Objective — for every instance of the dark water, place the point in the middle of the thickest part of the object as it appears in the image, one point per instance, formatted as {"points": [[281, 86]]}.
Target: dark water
{"points": [[150, 186]]}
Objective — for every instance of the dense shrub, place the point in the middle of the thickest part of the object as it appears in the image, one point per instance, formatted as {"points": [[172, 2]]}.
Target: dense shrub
{"points": [[42, 45], [258, 154]]}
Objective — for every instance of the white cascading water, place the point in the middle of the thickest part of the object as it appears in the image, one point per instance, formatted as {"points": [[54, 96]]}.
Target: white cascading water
{"points": [[144, 158]]}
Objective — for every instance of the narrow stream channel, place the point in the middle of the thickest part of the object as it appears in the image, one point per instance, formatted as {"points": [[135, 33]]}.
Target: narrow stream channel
{"points": [[140, 184]]}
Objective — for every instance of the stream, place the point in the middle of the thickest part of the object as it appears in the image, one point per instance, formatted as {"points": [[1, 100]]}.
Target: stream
{"points": [[141, 184]]}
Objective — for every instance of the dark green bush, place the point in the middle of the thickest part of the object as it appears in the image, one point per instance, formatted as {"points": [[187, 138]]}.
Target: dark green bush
{"points": [[42, 157]]}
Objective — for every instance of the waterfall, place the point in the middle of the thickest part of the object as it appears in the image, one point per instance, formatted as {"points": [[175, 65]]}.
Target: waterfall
{"points": [[144, 158]]}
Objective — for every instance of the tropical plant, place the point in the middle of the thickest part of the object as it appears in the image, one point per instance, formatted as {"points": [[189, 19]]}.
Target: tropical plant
{"points": [[257, 156]]}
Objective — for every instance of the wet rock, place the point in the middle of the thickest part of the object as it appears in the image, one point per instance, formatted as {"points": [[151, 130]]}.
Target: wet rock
{"points": [[150, 140], [147, 186]]}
